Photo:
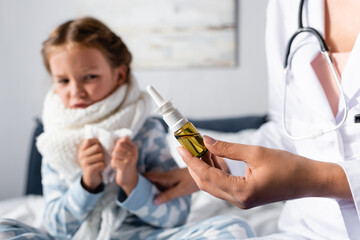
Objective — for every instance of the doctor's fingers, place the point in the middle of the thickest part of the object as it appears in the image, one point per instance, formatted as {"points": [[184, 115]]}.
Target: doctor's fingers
{"points": [[219, 163], [173, 183], [199, 166], [214, 180], [209, 158], [164, 179], [183, 188], [215, 191], [212, 160], [234, 151]]}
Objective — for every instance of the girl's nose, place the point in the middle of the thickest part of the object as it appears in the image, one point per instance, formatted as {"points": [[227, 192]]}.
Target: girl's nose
{"points": [[78, 90]]}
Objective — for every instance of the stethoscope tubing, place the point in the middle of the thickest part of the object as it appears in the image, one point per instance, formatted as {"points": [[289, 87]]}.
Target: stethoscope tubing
{"points": [[287, 65]]}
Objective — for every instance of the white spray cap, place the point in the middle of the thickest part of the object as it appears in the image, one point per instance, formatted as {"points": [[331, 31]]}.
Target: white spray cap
{"points": [[173, 118]]}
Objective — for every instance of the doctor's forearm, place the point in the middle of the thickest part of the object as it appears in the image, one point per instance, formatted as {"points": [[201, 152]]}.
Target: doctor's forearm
{"points": [[328, 180]]}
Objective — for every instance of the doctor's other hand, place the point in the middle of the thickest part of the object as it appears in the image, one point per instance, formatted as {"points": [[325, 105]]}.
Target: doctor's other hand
{"points": [[271, 175], [172, 184]]}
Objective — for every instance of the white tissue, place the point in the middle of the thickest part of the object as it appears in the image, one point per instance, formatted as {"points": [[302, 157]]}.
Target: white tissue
{"points": [[108, 141]]}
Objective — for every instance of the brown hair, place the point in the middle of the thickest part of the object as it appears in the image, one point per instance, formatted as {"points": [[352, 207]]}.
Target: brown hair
{"points": [[88, 32]]}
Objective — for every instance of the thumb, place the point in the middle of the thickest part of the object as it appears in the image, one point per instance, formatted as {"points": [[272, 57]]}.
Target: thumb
{"points": [[228, 150]]}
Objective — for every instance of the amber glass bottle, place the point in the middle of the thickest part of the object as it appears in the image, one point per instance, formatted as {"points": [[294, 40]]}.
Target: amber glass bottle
{"points": [[191, 139], [184, 131]]}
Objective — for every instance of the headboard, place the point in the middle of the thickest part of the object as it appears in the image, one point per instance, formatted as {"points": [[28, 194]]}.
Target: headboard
{"points": [[33, 184]]}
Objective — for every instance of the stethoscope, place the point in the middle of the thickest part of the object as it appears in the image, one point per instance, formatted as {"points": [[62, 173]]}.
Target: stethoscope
{"points": [[287, 65]]}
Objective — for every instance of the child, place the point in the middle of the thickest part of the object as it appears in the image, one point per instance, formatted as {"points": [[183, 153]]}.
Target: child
{"points": [[97, 140], [94, 95]]}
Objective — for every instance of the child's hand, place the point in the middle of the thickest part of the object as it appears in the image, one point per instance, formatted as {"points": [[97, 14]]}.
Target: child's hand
{"points": [[124, 159], [92, 162]]}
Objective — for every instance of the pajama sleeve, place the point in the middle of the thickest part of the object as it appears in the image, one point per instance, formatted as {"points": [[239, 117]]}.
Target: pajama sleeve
{"points": [[154, 156], [65, 207]]}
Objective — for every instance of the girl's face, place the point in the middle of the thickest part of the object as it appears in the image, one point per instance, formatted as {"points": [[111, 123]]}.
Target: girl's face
{"points": [[83, 76]]}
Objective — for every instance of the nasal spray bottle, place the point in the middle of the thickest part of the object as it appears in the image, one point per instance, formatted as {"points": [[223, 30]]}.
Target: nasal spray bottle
{"points": [[184, 131]]}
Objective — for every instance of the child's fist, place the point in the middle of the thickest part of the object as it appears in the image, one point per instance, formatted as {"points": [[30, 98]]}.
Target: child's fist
{"points": [[124, 159], [92, 162]]}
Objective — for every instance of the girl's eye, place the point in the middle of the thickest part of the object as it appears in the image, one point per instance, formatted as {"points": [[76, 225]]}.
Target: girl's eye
{"points": [[63, 81], [90, 77]]}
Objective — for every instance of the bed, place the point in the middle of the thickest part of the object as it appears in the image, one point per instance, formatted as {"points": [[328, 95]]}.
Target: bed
{"points": [[29, 208]]}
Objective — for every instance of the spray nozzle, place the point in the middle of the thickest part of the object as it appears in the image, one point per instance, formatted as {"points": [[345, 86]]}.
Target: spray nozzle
{"points": [[170, 114], [163, 106], [159, 100]]}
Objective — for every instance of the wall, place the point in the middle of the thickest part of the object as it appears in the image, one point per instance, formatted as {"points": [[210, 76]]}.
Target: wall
{"points": [[198, 93]]}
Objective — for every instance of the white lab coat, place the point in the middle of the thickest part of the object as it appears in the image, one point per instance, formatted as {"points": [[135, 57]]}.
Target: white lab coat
{"points": [[308, 109]]}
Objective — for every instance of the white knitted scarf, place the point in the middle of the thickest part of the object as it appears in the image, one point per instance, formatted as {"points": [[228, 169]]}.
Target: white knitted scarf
{"points": [[121, 113]]}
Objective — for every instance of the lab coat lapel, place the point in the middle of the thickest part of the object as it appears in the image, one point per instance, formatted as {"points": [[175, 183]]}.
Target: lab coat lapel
{"points": [[314, 17], [351, 74]]}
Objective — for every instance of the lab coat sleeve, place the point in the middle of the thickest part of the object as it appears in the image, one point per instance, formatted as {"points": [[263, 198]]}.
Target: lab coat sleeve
{"points": [[352, 221], [277, 33], [269, 135]]}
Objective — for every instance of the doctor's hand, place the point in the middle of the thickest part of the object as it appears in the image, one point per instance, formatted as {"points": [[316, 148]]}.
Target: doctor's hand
{"points": [[178, 182], [271, 175], [92, 162], [173, 183], [124, 159]]}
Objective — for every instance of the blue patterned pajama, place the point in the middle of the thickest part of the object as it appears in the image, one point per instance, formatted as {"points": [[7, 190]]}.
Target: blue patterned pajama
{"points": [[216, 228]]}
